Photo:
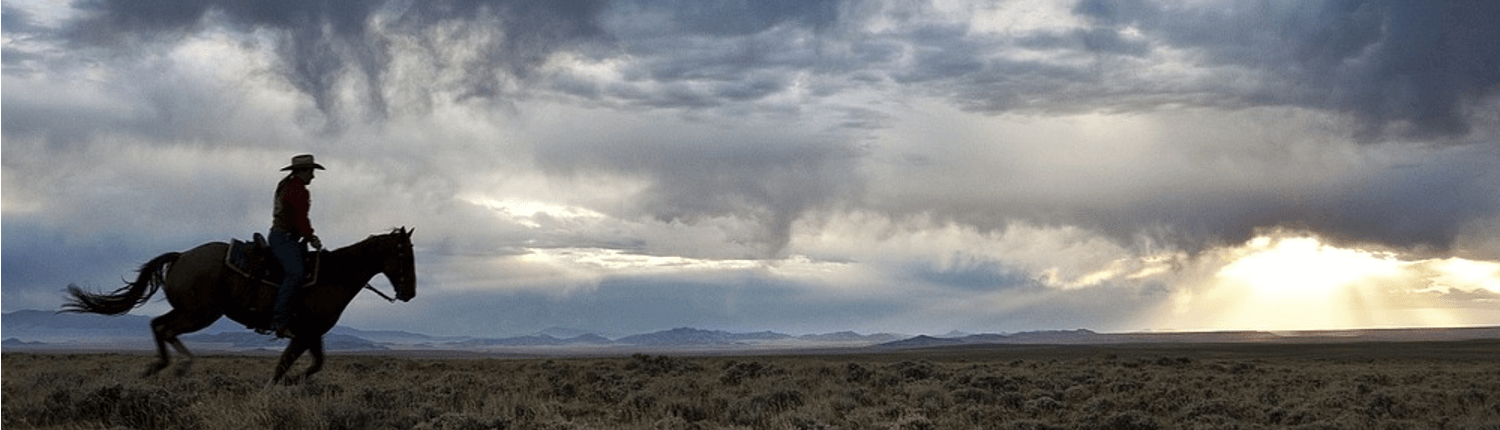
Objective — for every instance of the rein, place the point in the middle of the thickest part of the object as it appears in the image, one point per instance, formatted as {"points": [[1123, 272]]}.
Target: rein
{"points": [[382, 295]]}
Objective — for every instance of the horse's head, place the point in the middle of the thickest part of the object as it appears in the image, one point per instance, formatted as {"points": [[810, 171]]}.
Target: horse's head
{"points": [[399, 264]]}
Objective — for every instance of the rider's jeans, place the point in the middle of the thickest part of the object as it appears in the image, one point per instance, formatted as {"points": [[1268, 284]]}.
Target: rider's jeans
{"points": [[289, 252]]}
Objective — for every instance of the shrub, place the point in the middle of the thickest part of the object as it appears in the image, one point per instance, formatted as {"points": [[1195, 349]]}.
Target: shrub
{"points": [[918, 370], [1043, 404], [119, 405], [453, 421], [973, 396], [914, 422], [1130, 420], [1032, 425], [853, 372], [659, 365], [906, 390], [736, 372]]}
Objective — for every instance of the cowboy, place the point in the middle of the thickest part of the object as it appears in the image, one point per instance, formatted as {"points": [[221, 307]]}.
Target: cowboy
{"points": [[291, 233]]}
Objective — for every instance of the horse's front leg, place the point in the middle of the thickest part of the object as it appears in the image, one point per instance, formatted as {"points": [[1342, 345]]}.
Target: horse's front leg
{"points": [[187, 356], [315, 346], [293, 350]]}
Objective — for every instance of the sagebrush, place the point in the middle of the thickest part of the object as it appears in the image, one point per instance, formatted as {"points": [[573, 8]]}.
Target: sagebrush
{"points": [[1089, 388]]}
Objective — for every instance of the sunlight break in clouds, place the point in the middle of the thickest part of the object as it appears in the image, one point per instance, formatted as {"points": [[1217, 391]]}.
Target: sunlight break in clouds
{"points": [[525, 212], [1295, 282]]}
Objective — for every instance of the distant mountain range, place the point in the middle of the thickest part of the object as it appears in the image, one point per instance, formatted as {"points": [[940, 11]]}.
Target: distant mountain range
{"points": [[1087, 337], [41, 330], [251, 340], [31, 329]]}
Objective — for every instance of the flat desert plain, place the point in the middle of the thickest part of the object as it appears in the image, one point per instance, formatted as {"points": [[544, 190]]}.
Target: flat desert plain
{"points": [[1371, 385]]}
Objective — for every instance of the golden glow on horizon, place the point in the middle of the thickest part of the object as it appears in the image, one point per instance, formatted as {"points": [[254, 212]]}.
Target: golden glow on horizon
{"points": [[1302, 268], [1300, 283], [1467, 275]]}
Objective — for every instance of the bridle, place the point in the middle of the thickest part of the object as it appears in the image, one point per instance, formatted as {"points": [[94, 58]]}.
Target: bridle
{"points": [[403, 253], [382, 295]]}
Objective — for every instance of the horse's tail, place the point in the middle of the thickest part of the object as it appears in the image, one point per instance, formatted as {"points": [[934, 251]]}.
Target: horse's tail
{"points": [[152, 275]]}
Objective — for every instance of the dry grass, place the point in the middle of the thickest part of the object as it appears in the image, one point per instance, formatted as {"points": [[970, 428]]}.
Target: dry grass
{"points": [[1060, 388]]}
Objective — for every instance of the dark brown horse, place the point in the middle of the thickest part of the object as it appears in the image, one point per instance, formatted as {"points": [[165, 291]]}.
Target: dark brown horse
{"points": [[201, 288]]}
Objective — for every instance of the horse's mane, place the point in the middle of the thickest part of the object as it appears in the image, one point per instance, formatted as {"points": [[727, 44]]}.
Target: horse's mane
{"points": [[371, 240]]}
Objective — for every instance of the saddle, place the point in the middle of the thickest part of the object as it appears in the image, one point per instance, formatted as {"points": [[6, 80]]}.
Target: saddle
{"points": [[254, 260]]}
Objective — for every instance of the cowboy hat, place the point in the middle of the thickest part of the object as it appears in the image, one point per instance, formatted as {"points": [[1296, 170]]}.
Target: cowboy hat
{"points": [[304, 161]]}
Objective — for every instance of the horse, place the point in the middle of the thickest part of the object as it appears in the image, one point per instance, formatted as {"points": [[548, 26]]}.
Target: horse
{"points": [[201, 288]]}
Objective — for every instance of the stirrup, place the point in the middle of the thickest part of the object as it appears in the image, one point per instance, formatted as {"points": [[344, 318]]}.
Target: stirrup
{"points": [[282, 333]]}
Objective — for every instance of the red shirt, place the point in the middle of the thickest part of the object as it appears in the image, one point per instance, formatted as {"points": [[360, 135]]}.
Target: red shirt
{"points": [[292, 204]]}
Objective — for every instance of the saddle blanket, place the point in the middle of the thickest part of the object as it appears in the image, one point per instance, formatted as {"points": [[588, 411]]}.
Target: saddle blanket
{"points": [[253, 260]]}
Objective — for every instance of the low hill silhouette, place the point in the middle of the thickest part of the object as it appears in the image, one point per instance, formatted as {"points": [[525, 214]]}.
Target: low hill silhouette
{"points": [[32, 329]]}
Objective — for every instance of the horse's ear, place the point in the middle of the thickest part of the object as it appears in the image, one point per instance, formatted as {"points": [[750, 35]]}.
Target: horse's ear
{"points": [[409, 232]]}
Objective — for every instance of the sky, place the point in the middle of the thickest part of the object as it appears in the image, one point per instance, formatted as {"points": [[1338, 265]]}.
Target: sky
{"points": [[802, 166]]}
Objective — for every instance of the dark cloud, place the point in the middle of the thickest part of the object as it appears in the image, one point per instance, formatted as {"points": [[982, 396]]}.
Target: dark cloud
{"points": [[943, 51], [1422, 204], [493, 45], [1408, 70], [14, 20], [41, 260], [324, 43], [709, 55], [1036, 71], [14, 59], [1193, 182], [736, 18], [19, 25], [1403, 68], [772, 178], [972, 273], [1096, 40]]}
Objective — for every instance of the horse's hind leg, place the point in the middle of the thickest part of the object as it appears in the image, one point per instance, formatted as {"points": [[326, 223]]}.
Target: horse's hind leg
{"points": [[293, 350], [158, 334], [166, 328]]}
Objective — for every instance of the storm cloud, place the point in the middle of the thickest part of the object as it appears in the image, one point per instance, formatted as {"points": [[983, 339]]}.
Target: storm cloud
{"points": [[1399, 69], [323, 44], [1403, 68]]}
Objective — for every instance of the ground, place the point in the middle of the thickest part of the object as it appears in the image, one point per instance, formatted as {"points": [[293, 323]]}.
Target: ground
{"points": [[1418, 385]]}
